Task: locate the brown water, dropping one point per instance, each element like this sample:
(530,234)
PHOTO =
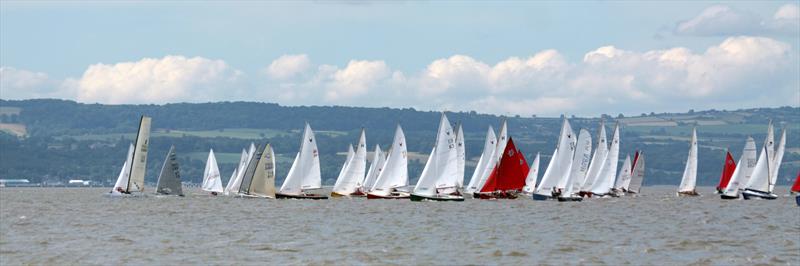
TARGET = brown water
(80,226)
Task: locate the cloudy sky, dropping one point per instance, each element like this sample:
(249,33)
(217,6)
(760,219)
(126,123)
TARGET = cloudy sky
(543,58)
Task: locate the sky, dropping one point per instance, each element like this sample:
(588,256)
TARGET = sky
(507,58)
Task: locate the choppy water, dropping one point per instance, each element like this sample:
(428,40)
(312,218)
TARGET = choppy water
(79,226)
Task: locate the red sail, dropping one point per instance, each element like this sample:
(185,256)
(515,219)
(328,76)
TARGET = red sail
(635,158)
(727,172)
(796,186)
(510,173)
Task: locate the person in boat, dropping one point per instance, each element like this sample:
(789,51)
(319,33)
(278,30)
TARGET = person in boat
(213,193)
(120,190)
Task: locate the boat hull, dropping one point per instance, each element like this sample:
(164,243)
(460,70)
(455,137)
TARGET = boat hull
(587,194)
(301,196)
(568,199)
(755,194)
(726,197)
(797,200)
(390,196)
(540,197)
(688,193)
(436,198)
(352,195)
(496,195)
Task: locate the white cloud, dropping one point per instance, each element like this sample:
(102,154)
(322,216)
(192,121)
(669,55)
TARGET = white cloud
(288,66)
(356,79)
(158,80)
(19,84)
(723,20)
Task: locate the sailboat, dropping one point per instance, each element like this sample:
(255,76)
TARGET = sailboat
(350,179)
(608,171)
(489,145)
(494,160)
(508,178)
(557,169)
(169,181)
(533,175)
(131,180)
(598,160)
(439,178)
(461,157)
(742,171)
(689,180)
(759,183)
(375,168)
(211,177)
(727,172)
(637,173)
(394,175)
(578,167)
(623,177)
(259,177)
(305,173)
(236,181)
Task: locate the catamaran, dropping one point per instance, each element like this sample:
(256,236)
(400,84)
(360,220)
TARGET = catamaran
(689,180)
(742,171)
(578,167)
(608,171)
(533,175)
(169,181)
(489,145)
(211,176)
(551,185)
(508,178)
(439,178)
(259,177)
(351,177)
(394,175)
(598,160)
(375,168)
(305,173)
(727,172)
(131,180)
(637,173)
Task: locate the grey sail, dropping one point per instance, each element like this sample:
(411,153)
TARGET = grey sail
(247,179)
(169,181)
(263,180)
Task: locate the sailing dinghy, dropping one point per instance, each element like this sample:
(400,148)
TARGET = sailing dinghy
(439,179)
(508,178)
(758,185)
(169,181)
(637,173)
(394,175)
(259,177)
(349,183)
(211,176)
(598,160)
(742,171)
(795,189)
(489,145)
(304,174)
(688,186)
(131,180)
(608,171)
(623,178)
(533,175)
(727,172)
(236,180)
(375,168)
(551,185)
(494,160)
(776,161)
(578,167)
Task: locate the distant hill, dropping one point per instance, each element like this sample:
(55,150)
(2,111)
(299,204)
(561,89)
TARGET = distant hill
(55,140)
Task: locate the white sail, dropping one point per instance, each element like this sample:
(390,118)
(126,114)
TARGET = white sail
(502,139)
(749,160)
(462,157)
(624,176)
(395,170)
(440,171)
(244,164)
(608,172)
(232,180)
(212,182)
(378,160)
(598,159)
(580,163)
(489,145)
(732,189)
(769,142)
(124,174)
(355,169)
(776,161)
(759,180)
(533,175)
(342,173)
(689,180)
(305,173)
(557,170)
(637,174)
(139,161)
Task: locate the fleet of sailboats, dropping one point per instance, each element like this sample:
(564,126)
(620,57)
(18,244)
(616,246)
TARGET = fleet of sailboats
(502,171)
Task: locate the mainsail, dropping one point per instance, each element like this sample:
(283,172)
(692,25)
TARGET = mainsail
(624,176)
(579,165)
(441,169)
(350,180)
(461,156)
(776,161)
(236,182)
(211,176)
(759,180)
(533,175)
(796,186)
(378,160)
(559,162)
(262,181)
(689,180)
(305,172)
(489,145)
(727,171)
(637,174)
(169,181)
(510,173)
(496,156)
(608,172)
(598,159)
(395,170)
(124,174)
(139,162)
(748,162)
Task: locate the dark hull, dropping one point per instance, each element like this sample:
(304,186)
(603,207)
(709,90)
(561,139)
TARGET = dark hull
(723,196)
(302,196)
(755,194)
(436,198)
(797,199)
(688,194)
(355,194)
(540,197)
(496,195)
(567,199)
(587,194)
(373,196)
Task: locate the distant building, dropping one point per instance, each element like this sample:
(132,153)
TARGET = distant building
(14,183)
